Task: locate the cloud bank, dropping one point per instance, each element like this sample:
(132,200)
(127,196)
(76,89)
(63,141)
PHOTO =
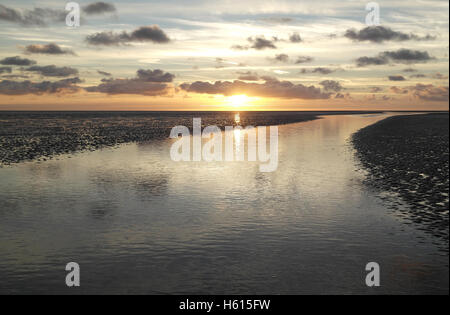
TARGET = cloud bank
(99,8)
(425,92)
(49,49)
(396,78)
(272,88)
(151,33)
(330,85)
(405,56)
(17,61)
(44,16)
(27,87)
(147,83)
(379,34)
(53,71)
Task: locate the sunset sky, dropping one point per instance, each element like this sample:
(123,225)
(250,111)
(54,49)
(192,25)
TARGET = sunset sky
(224,55)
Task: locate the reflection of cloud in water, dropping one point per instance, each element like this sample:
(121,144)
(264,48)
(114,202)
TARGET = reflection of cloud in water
(117,189)
(156,186)
(102,208)
(44,170)
(145,185)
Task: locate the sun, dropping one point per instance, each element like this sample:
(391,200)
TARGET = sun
(238,100)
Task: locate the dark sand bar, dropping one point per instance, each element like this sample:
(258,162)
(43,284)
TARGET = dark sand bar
(409,156)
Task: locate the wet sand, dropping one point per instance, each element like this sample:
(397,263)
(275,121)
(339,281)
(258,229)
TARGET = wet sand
(409,156)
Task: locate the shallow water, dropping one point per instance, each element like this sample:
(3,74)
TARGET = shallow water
(137,222)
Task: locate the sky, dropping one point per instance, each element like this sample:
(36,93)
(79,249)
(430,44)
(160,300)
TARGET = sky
(224,55)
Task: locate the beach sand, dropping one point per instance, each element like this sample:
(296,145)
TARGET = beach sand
(409,156)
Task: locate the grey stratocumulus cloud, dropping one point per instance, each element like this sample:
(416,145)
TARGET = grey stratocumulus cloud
(147,83)
(8,87)
(407,56)
(429,92)
(260,43)
(151,33)
(248,76)
(278,20)
(17,61)
(425,92)
(155,76)
(319,70)
(323,70)
(404,56)
(418,76)
(375,89)
(284,58)
(270,88)
(398,90)
(104,73)
(53,71)
(44,16)
(281,58)
(379,34)
(331,85)
(240,47)
(35,17)
(396,78)
(304,59)
(99,8)
(49,49)
(295,38)
(439,76)
(15,76)
(5,70)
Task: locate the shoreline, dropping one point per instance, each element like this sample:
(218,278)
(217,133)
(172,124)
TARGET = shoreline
(408,155)
(27,136)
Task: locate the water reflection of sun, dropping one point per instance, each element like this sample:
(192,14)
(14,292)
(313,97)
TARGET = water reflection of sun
(237,118)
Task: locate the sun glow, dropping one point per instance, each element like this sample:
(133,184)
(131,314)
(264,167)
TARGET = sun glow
(238,100)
